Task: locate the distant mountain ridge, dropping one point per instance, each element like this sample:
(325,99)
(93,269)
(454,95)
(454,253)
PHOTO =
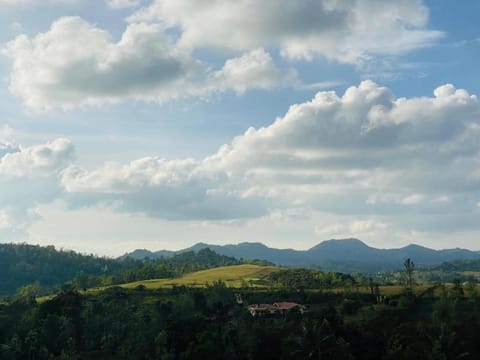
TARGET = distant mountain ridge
(347,255)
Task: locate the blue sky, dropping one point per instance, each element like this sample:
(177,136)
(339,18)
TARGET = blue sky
(156,124)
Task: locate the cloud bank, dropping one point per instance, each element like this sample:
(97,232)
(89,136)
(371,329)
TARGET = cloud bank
(365,152)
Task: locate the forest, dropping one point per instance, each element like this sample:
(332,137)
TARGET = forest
(214,323)
(37,270)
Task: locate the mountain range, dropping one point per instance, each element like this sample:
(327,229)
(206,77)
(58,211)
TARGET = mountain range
(345,255)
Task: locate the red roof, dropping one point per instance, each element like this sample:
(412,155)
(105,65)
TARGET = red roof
(284,305)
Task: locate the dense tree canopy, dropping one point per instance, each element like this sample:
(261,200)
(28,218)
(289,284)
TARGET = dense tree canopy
(27,267)
(209,323)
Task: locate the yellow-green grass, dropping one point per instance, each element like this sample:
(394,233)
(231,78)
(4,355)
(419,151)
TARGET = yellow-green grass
(42,299)
(232,276)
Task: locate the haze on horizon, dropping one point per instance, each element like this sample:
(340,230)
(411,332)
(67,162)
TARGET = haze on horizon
(158,124)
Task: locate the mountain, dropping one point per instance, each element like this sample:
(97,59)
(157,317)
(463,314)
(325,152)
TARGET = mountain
(346,255)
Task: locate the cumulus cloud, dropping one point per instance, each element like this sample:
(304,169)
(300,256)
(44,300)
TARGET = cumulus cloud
(29,175)
(365,152)
(254,69)
(360,134)
(76,63)
(38,160)
(347,31)
(169,189)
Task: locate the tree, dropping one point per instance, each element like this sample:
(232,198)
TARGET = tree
(28,291)
(409,268)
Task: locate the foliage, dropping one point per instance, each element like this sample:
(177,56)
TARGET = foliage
(24,264)
(208,323)
(309,279)
(47,269)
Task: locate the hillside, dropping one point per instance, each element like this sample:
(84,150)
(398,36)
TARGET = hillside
(23,264)
(49,269)
(232,276)
(347,255)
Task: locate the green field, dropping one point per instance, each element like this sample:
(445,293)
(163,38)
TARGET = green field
(232,276)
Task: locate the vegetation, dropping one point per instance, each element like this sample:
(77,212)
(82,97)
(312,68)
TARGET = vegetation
(245,275)
(213,322)
(25,265)
(409,268)
(35,270)
(196,305)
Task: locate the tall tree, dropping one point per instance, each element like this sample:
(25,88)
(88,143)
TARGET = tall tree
(409,268)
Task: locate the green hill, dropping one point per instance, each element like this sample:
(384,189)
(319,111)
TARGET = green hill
(46,269)
(232,276)
(23,264)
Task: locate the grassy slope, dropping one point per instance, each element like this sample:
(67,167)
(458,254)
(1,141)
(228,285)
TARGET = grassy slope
(233,276)
(238,275)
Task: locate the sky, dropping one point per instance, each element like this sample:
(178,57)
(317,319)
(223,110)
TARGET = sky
(158,124)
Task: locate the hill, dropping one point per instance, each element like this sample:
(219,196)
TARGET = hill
(23,264)
(232,276)
(347,255)
(45,268)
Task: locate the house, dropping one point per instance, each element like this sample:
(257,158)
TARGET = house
(275,308)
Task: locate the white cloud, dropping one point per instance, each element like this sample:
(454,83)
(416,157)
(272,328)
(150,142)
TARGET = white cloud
(5,220)
(76,63)
(120,4)
(331,230)
(366,148)
(117,178)
(356,228)
(29,176)
(412,199)
(363,163)
(344,30)
(254,69)
(6,139)
(169,189)
(365,152)
(366,226)
(38,160)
